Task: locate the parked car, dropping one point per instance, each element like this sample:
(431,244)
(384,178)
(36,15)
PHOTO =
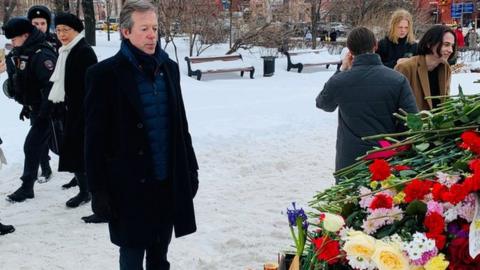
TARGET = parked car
(99,25)
(113,24)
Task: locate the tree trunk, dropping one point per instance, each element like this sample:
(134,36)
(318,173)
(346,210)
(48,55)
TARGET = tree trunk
(89,18)
(8,8)
(77,12)
(58,5)
(66,6)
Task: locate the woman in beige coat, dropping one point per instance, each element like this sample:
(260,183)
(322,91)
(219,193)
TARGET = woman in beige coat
(429,73)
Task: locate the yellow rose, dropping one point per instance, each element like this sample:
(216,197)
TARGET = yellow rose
(359,244)
(387,257)
(332,222)
(437,263)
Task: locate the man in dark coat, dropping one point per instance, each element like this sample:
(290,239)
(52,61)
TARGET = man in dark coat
(367,94)
(33,65)
(140,162)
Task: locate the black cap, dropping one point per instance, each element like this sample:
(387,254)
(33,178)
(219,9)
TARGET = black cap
(69,20)
(39,12)
(17,26)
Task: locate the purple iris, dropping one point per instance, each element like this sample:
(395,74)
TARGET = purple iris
(455,229)
(295,214)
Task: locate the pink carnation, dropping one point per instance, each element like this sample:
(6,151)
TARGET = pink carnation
(434,206)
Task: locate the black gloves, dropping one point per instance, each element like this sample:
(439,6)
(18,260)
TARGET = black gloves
(194,182)
(25,113)
(101,205)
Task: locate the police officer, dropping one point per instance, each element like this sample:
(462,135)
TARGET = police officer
(41,18)
(33,63)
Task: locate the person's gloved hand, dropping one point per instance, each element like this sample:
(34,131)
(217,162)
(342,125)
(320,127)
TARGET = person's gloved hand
(25,113)
(194,181)
(101,205)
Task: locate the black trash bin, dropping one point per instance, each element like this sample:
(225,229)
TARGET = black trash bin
(268,65)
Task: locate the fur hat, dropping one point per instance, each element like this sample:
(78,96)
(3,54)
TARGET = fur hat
(69,20)
(17,26)
(40,12)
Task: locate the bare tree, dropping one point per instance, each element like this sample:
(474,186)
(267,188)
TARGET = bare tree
(58,5)
(8,8)
(89,17)
(169,14)
(66,5)
(315,19)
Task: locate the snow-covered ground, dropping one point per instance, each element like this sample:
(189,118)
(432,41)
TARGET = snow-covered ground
(261,144)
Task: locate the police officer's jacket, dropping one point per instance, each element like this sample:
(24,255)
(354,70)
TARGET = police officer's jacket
(29,68)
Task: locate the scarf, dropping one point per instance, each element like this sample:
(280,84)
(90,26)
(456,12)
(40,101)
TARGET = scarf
(57,94)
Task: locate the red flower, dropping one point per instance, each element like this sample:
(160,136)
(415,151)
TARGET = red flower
(460,257)
(472,183)
(471,141)
(416,190)
(399,168)
(434,223)
(380,170)
(456,194)
(381,201)
(440,239)
(474,165)
(437,191)
(327,250)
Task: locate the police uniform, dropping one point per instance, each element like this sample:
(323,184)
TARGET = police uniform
(33,65)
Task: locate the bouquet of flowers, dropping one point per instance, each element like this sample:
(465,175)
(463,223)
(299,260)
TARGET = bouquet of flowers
(412,204)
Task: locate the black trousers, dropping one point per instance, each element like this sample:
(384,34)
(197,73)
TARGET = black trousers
(132,258)
(36,147)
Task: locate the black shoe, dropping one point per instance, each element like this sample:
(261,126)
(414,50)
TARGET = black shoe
(80,198)
(4,229)
(21,194)
(45,177)
(94,219)
(70,184)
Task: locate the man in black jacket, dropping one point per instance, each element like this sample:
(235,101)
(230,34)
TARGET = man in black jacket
(367,94)
(33,64)
(140,163)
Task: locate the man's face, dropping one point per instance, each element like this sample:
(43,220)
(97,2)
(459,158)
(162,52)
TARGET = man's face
(40,24)
(144,32)
(19,40)
(402,29)
(447,46)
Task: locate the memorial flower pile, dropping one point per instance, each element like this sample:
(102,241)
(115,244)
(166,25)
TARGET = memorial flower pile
(411,204)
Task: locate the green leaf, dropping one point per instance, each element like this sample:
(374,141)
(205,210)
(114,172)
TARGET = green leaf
(416,208)
(460,165)
(464,119)
(407,173)
(422,146)
(414,122)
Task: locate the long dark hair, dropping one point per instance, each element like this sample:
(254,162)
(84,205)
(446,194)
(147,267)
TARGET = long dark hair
(434,36)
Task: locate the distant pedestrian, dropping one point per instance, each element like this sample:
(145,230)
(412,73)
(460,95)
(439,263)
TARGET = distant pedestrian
(399,44)
(333,35)
(459,38)
(472,39)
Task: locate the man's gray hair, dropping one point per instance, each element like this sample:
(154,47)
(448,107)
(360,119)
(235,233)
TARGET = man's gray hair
(131,6)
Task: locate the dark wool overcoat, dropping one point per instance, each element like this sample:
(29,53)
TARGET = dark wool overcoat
(80,58)
(118,159)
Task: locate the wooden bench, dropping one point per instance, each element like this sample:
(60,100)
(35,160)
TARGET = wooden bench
(217,64)
(311,58)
